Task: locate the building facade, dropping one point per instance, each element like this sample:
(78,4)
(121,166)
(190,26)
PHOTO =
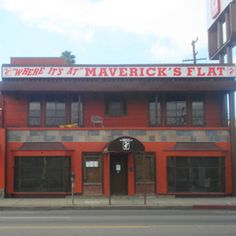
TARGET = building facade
(115,129)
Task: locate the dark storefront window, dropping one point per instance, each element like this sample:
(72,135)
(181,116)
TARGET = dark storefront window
(116,106)
(55,111)
(149,167)
(92,168)
(198,113)
(176,113)
(42,174)
(34,113)
(154,111)
(196,174)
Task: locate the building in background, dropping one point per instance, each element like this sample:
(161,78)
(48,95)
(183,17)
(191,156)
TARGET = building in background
(118,129)
(221,41)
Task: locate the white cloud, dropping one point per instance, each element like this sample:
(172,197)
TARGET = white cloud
(173,21)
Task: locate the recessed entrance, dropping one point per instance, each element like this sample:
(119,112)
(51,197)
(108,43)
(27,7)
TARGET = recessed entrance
(118,172)
(118,152)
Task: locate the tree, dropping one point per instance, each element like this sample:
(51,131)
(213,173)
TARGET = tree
(69,58)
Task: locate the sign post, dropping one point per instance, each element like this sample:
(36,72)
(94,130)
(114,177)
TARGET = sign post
(144,180)
(109,174)
(72,187)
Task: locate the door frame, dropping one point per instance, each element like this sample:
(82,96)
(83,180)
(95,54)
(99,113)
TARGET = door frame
(124,144)
(122,158)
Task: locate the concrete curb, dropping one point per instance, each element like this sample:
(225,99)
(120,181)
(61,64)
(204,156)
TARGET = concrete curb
(33,208)
(119,207)
(215,207)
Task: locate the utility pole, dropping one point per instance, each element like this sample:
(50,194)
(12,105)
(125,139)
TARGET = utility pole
(195,59)
(194,51)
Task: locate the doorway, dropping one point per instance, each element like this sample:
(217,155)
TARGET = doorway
(118,172)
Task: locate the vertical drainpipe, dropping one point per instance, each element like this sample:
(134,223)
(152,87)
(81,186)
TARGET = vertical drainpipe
(232,138)
(229,58)
(232,118)
(3,111)
(5,133)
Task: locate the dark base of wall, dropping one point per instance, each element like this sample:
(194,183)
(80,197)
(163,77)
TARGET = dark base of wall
(198,195)
(38,195)
(140,188)
(92,189)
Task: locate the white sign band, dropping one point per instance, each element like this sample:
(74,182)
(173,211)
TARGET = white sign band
(118,71)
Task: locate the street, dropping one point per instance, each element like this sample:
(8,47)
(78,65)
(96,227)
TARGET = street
(118,222)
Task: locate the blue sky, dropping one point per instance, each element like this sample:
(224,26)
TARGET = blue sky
(103,31)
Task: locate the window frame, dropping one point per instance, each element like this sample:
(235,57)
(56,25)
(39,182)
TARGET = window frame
(181,114)
(151,173)
(34,100)
(92,157)
(68,109)
(110,111)
(155,115)
(203,112)
(79,120)
(55,101)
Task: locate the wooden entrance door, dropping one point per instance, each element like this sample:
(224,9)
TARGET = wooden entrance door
(118,171)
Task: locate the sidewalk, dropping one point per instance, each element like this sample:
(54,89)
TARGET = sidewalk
(134,202)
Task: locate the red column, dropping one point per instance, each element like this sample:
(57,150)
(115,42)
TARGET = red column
(106,174)
(131,176)
(77,167)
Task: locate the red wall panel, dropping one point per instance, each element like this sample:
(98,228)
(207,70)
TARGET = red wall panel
(214,110)
(37,61)
(16,111)
(93,105)
(137,113)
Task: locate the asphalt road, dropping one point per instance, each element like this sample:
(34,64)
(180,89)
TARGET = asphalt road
(118,222)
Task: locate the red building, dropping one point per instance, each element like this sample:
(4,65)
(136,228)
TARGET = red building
(119,129)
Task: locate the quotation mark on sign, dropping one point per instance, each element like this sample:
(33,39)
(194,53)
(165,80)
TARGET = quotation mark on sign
(7,72)
(232,71)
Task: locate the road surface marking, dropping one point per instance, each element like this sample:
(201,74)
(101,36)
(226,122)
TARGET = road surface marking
(61,227)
